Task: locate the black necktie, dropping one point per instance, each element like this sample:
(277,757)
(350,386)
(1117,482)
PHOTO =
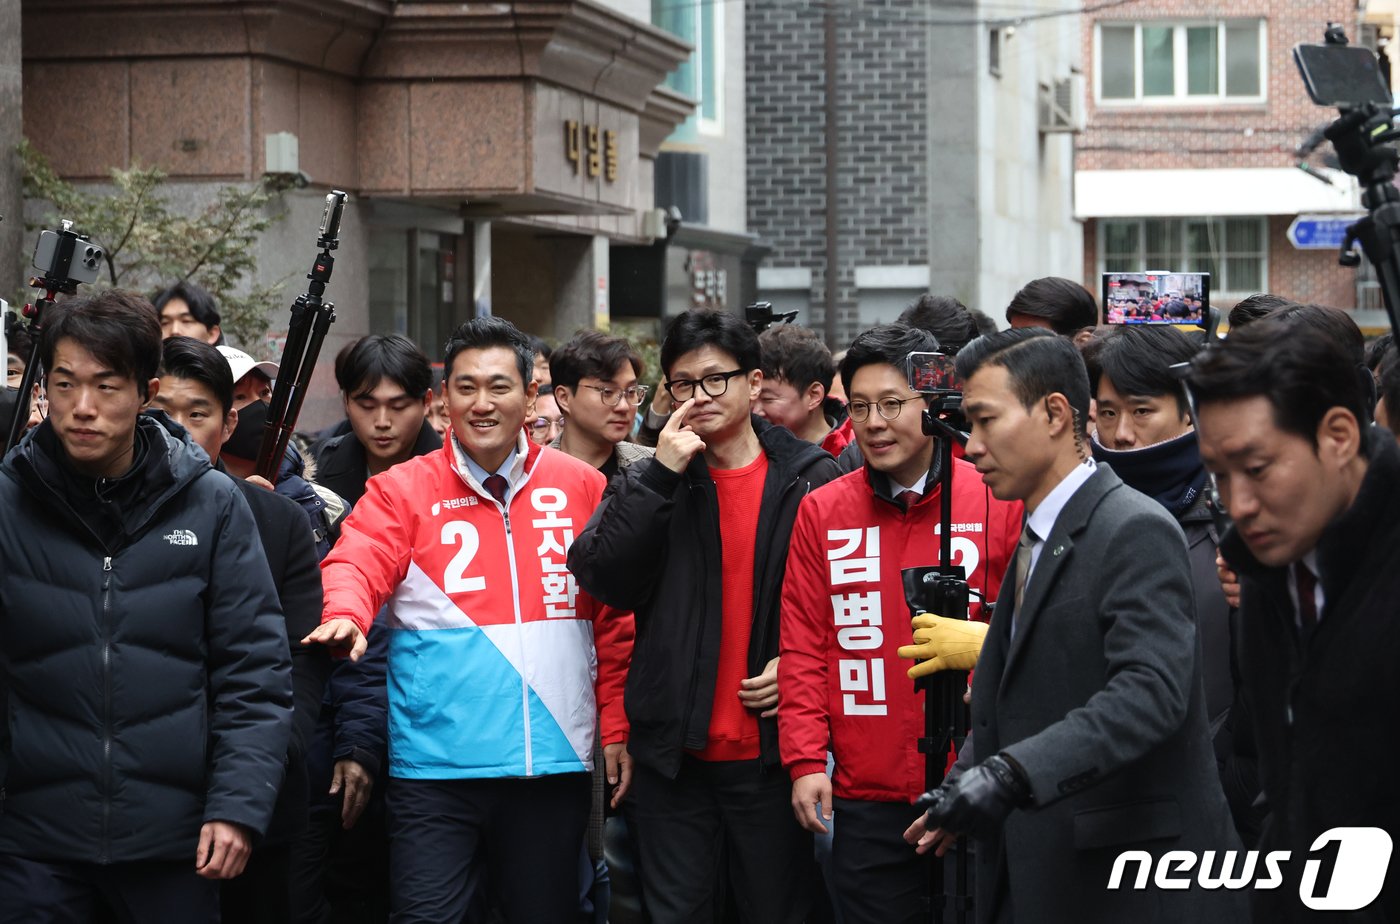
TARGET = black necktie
(1306,583)
(498,486)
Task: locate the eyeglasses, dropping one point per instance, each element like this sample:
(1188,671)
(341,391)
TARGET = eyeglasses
(713,385)
(544,424)
(889,408)
(634,394)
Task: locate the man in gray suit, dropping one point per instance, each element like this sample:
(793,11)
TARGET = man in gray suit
(1089,734)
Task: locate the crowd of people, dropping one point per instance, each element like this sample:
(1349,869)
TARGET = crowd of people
(543,635)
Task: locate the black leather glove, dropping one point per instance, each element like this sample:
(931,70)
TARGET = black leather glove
(978,801)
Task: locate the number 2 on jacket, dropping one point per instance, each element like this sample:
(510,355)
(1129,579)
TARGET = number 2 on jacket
(454,580)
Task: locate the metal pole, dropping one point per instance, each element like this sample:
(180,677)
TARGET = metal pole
(832,273)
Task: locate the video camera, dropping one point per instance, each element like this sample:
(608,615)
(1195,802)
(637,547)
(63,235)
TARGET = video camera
(1349,78)
(65,260)
(761,316)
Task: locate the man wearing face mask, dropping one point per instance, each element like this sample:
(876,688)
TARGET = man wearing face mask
(252,390)
(1145,434)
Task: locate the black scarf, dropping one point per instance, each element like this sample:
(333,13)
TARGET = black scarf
(1171,472)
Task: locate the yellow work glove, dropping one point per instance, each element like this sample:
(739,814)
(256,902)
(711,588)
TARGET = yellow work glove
(943,645)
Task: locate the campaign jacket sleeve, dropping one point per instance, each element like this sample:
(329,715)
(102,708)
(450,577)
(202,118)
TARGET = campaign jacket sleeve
(613,634)
(249,674)
(300,594)
(1003,533)
(371,558)
(618,557)
(803,730)
(359,696)
(1146,612)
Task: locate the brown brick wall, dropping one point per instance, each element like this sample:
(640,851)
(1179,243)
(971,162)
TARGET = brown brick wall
(1307,275)
(1155,137)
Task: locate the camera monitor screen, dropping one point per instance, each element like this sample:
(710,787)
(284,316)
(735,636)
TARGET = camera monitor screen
(1156,298)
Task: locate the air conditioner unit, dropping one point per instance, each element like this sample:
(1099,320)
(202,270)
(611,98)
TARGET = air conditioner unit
(1062,105)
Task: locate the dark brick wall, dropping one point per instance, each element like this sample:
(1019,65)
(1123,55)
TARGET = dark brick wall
(882,117)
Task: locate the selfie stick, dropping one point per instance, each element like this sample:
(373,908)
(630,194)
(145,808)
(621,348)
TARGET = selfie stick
(942,590)
(311,319)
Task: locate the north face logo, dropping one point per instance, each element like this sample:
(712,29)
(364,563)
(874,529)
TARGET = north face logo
(182,537)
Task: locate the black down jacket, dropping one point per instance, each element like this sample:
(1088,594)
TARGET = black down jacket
(653,547)
(145,677)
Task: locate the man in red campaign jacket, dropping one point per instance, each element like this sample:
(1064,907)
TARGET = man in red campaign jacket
(842,684)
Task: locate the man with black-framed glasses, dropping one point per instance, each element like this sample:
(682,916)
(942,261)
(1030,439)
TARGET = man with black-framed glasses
(596,387)
(695,542)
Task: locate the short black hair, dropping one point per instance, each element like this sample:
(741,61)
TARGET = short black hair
(1137,361)
(984,322)
(196,361)
(1039,363)
(1390,387)
(17,338)
(120,329)
(699,327)
(889,344)
(797,356)
(383,356)
(1064,303)
(541,346)
(484,333)
(591,354)
(946,318)
(1323,322)
(1256,307)
(1301,377)
(201,303)
(1378,349)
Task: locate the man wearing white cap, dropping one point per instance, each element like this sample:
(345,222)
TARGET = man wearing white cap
(252,389)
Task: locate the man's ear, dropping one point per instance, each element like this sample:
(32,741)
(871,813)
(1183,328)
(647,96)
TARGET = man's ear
(428,402)
(755,384)
(230,424)
(1060,414)
(1338,437)
(563,397)
(152,389)
(813,396)
(214,334)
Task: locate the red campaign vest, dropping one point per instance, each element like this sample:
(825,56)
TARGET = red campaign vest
(844,618)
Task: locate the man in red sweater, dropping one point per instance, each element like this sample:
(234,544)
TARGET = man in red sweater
(694,542)
(840,680)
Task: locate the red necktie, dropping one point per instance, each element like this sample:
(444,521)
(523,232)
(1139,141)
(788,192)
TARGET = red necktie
(498,486)
(908,498)
(1306,583)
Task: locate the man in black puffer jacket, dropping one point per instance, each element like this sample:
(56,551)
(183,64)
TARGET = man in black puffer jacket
(144,666)
(695,542)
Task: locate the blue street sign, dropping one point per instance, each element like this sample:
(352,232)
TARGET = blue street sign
(1319,232)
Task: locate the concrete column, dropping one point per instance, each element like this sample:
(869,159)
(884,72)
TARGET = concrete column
(14,256)
(481,268)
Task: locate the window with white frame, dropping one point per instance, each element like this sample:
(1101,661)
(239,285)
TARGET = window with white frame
(1235,251)
(1202,62)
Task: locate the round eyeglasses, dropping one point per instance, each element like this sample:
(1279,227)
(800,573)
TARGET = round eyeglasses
(612,397)
(888,408)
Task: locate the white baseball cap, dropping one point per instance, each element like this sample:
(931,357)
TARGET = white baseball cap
(241,364)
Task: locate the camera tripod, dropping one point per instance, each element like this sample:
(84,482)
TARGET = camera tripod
(942,589)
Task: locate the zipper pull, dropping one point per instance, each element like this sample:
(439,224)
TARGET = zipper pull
(107,563)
